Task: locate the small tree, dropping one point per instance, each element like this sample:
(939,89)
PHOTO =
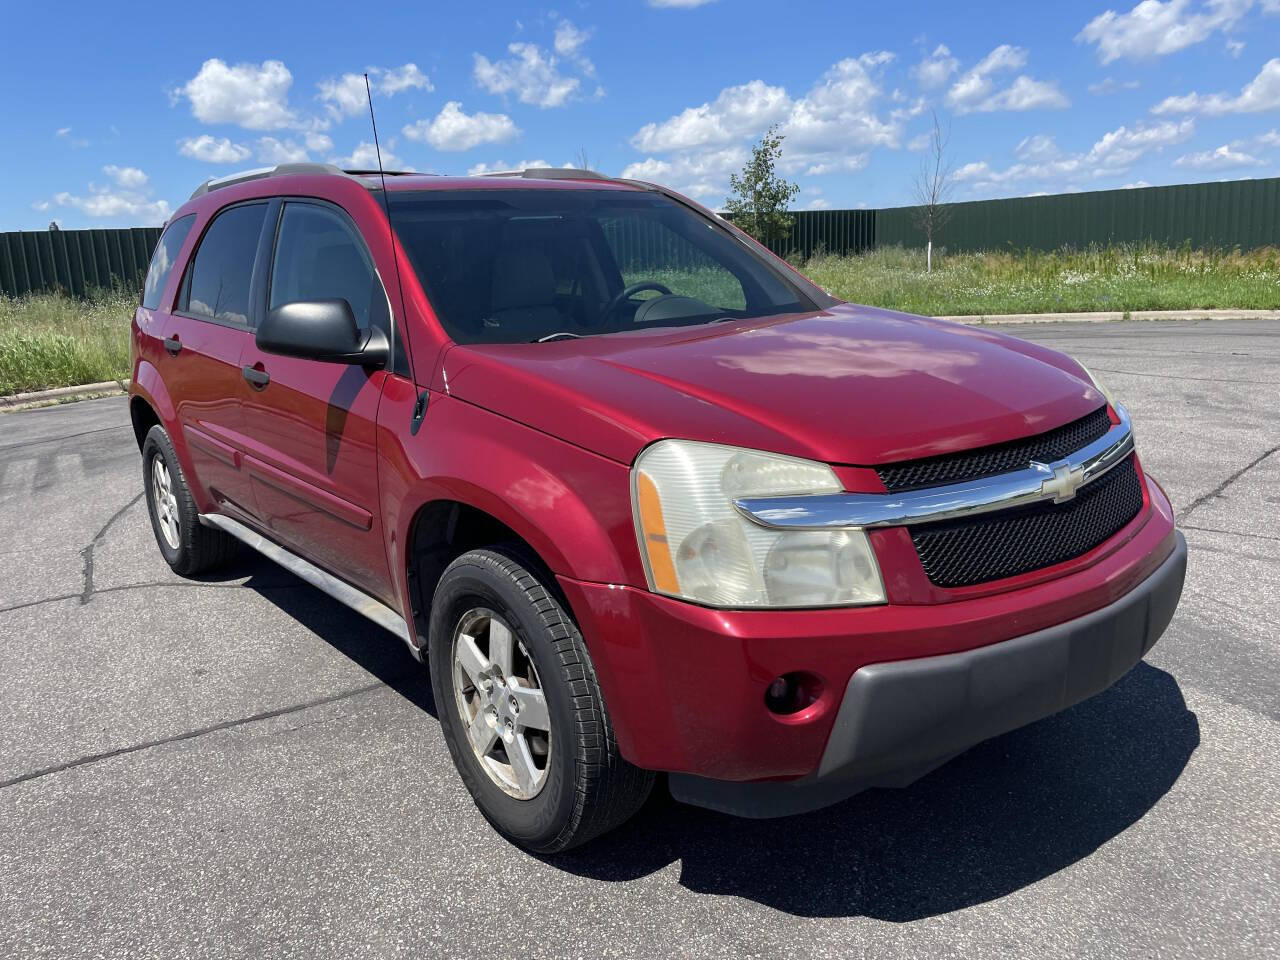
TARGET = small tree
(583,161)
(932,189)
(758,197)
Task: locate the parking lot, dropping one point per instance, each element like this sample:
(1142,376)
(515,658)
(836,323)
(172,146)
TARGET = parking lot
(242,767)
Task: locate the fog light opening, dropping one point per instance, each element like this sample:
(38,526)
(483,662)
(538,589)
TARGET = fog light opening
(792,692)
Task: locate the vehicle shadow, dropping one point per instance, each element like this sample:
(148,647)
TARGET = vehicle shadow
(1001,816)
(378,651)
(997,818)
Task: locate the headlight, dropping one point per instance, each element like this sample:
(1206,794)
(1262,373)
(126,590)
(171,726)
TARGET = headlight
(696,546)
(1102,387)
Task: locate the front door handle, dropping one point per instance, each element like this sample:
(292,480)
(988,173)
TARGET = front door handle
(259,378)
(173,345)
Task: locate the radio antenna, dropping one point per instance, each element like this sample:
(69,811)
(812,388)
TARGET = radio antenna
(420,404)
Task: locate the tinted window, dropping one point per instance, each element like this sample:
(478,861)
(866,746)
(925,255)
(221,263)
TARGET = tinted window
(512,266)
(163,259)
(317,258)
(218,286)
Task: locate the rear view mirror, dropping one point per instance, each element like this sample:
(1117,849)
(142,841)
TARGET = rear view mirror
(322,330)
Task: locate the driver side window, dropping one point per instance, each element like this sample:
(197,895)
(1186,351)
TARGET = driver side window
(645,249)
(317,258)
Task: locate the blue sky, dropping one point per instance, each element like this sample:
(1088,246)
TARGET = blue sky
(112,118)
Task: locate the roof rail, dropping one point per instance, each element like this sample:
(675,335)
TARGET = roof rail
(261,173)
(549,173)
(387,173)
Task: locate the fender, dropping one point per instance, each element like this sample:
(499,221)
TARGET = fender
(148,385)
(573,507)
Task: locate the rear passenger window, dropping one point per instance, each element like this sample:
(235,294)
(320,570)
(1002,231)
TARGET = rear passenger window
(318,258)
(163,259)
(218,285)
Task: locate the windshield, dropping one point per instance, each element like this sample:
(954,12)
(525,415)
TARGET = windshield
(514,266)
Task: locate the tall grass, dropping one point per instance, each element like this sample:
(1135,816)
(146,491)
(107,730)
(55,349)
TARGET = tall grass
(49,340)
(1098,278)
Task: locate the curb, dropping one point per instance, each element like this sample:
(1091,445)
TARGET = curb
(1116,315)
(44,398)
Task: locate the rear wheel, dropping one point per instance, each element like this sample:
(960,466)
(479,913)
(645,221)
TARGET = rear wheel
(520,707)
(187,546)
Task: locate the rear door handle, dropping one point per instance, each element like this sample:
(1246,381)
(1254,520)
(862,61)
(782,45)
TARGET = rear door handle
(173,345)
(259,378)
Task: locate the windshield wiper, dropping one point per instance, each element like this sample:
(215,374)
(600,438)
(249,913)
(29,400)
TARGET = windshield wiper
(561,335)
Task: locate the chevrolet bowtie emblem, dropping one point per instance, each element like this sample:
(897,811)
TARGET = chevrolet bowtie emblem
(1063,483)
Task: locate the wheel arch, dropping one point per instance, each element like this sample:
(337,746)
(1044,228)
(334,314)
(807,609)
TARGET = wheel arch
(443,529)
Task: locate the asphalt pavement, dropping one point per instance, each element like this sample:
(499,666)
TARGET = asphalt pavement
(239,766)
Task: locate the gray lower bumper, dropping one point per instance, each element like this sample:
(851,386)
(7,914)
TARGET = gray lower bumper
(899,720)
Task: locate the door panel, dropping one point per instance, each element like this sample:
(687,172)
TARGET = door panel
(206,335)
(310,429)
(311,451)
(204,376)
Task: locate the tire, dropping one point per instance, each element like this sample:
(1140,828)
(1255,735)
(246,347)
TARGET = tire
(586,787)
(187,546)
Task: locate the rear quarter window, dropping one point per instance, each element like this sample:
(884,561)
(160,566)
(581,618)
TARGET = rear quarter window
(221,272)
(163,260)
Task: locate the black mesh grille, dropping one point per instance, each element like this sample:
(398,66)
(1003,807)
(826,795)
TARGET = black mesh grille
(992,546)
(1000,458)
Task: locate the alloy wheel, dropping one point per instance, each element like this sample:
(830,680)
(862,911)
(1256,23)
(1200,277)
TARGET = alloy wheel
(501,703)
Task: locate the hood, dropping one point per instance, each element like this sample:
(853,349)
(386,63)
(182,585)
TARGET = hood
(848,385)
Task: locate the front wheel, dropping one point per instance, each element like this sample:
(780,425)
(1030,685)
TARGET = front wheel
(520,707)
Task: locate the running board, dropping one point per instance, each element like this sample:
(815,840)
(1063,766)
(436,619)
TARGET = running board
(340,590)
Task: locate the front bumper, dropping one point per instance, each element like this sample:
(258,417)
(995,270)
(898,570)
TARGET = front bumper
(899,720)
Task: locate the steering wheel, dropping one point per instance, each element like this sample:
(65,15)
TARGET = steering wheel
(630,292)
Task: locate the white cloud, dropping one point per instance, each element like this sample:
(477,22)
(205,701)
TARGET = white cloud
(453,129)
(130,198)
(1109,85)
(213,150)
(64,133)
(346,96)
(529,73)
(501,166)
(365,157)
(248,95)
(399,79)
(936,69)
(703,175)
(1223,158)
(569,41)
(1259,94)
(737,112)
(128,177)
(976,90)
(1039,159)
(273,150)
(1154,28)
(1235,48)
(828,130)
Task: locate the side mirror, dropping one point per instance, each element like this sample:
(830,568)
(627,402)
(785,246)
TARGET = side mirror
(322,330)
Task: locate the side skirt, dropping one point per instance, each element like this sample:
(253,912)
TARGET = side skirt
(340,590)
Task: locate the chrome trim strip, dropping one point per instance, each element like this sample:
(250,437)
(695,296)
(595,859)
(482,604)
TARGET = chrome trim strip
(1056,481)
(340,590)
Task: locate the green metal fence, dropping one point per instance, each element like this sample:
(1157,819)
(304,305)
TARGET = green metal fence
(1240,213)
(74,261)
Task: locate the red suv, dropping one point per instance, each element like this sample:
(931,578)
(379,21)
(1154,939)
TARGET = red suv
(643,497)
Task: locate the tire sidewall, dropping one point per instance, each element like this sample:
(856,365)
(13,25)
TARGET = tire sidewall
(539,820)
(157,445)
